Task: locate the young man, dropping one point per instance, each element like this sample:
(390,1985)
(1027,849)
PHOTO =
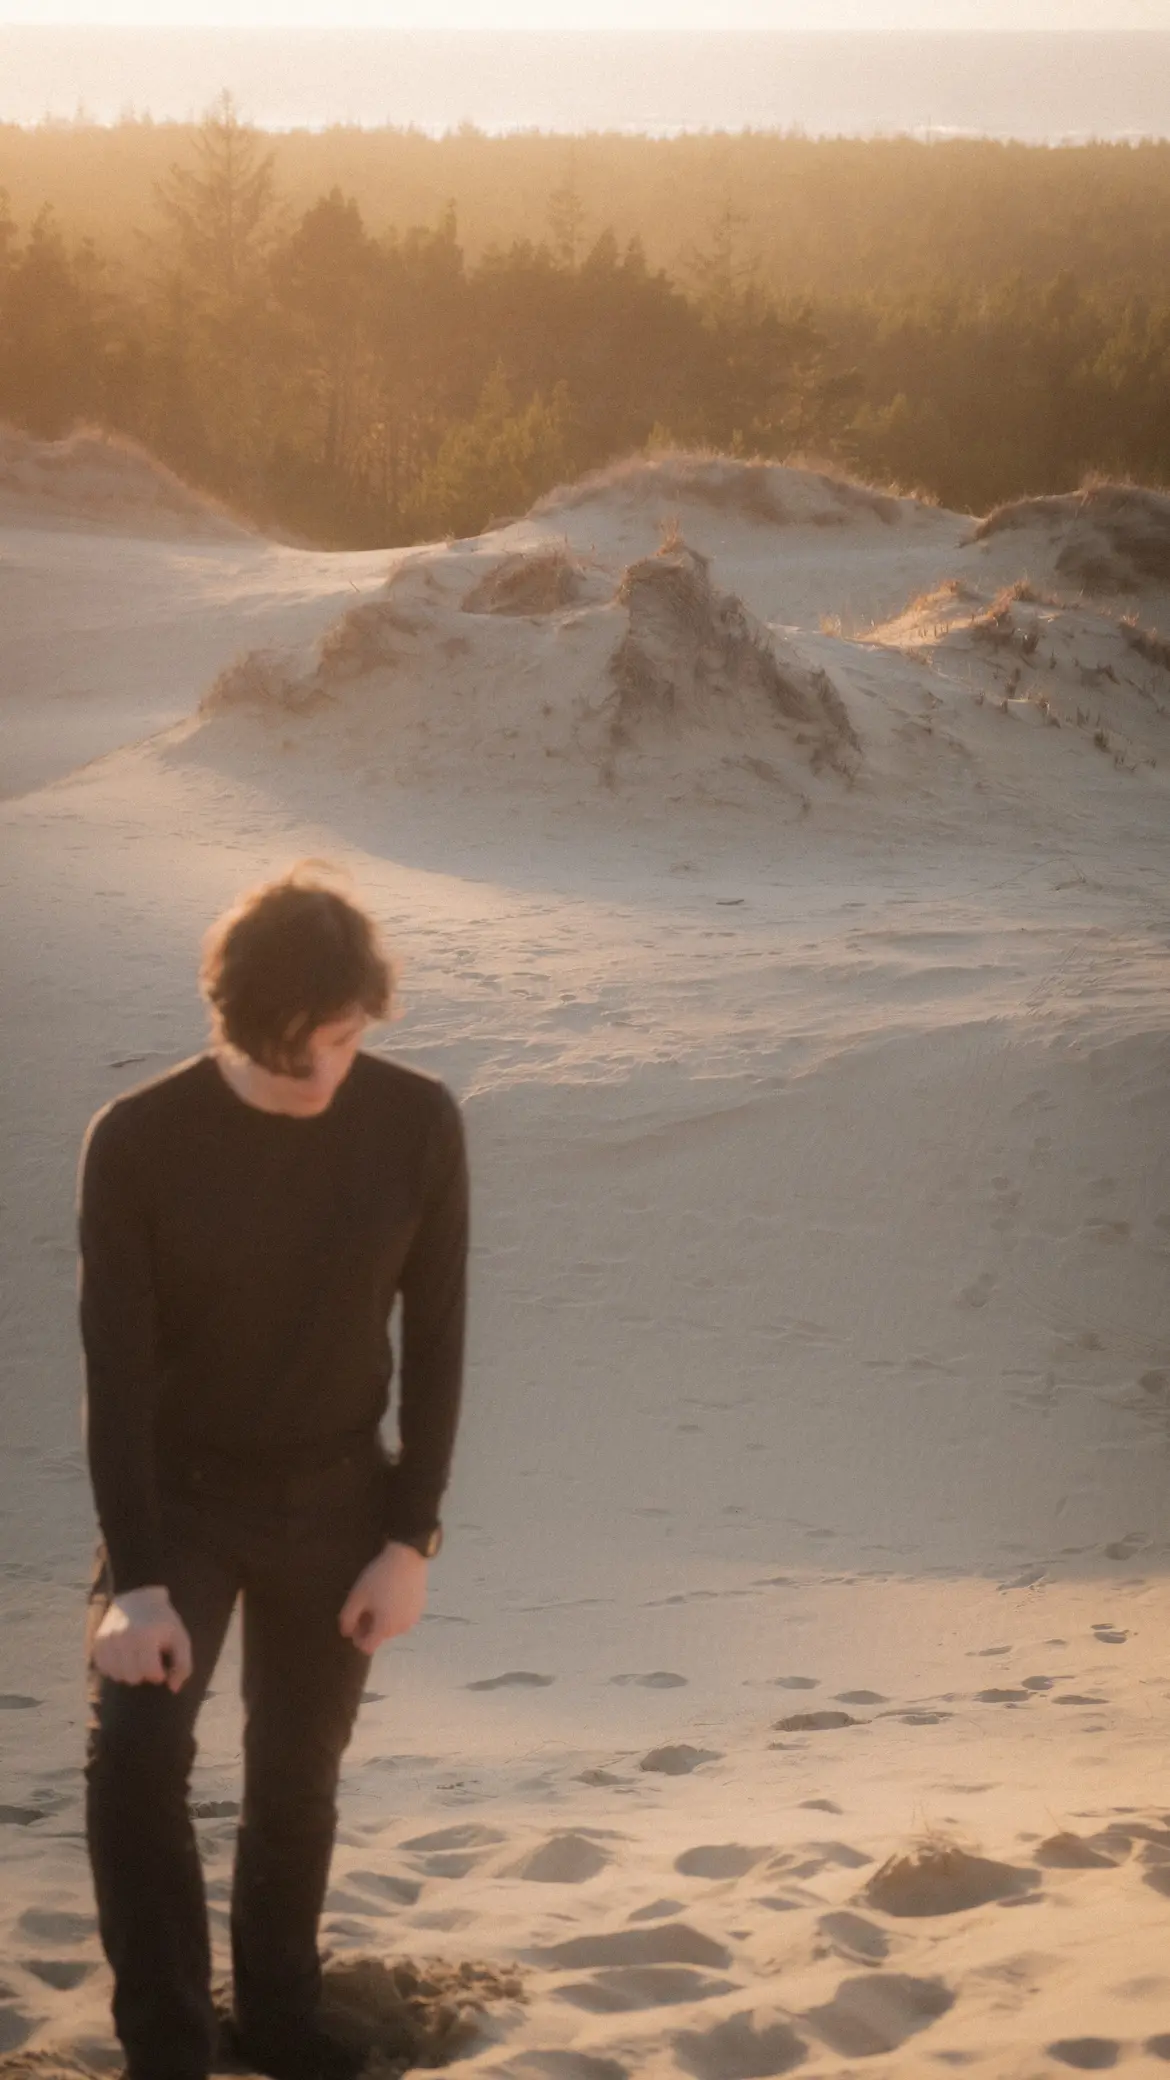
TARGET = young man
(246,1222)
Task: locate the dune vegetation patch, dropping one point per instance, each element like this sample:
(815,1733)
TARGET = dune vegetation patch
(539,581)
(692,654)
(938,1876)
(364,639)
(259,679)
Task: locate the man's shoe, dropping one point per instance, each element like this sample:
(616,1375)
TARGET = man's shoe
(311,2053)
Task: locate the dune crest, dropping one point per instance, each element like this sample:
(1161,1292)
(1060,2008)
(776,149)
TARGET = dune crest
(108,481)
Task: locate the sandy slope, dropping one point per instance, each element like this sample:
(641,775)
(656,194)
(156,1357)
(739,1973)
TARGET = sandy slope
(801,958)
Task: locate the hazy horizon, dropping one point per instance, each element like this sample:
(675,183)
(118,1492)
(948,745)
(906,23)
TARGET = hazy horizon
(861,17)
(1034,86)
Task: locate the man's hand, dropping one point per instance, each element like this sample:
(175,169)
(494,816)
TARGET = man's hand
(142,1639)
(386,1599)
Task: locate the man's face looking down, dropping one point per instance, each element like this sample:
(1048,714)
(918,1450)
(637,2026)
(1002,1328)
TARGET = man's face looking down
(325,1058)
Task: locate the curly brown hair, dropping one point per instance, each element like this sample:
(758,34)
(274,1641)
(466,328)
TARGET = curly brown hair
(290,955)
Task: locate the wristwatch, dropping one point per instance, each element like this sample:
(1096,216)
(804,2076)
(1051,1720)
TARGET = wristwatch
(425,1542)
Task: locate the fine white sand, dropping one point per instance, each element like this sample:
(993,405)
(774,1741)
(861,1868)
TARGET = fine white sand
(788,907)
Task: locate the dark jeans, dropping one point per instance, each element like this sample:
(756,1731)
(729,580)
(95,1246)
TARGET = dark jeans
(293,1549)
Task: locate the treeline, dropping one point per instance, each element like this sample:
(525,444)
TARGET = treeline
(826,218)
(359,385)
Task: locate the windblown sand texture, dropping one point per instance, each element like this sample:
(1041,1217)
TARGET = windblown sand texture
(777,869)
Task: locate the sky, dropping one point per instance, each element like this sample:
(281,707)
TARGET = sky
(991,15)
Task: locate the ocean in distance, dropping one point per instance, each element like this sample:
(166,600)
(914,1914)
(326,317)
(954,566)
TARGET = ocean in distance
(1041,88)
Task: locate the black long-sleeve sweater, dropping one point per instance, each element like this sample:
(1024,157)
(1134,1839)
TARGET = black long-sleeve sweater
(238,1270)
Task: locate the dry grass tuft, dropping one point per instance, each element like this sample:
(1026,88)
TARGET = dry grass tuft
(1147,642)
(361,641)
(261,679)
(530,582)
(938,1876)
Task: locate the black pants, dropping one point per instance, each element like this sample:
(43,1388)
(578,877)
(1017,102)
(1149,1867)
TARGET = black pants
(293,1549)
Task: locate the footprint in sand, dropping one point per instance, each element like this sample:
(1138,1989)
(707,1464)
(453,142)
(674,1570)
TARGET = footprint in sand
(796,1682)
(739,2048)
(61,1973)
(1124,1548)
(855,1938)
(1071,1852)
(918,1718)
(658,1679)
(624,1987)
(400,1892)
(56,1926)
(514,1678)
(451,1852)
(1086,2054)
(861,1697)
(15,2027)
(564,1859)
(564,2065)
(14,1701)
(1110,1635)
(878,2013)
(814,1722)
(675,1942)
(1002,1696)
(679,1759)
(822,1805)
(719,1860)
(1159,2046)
(825,1856)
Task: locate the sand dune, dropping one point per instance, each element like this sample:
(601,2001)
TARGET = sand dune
(778,872)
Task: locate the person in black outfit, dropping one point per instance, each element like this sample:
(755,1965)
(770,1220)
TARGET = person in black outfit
(247,1221)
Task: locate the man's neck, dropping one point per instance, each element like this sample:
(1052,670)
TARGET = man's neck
(250,1083)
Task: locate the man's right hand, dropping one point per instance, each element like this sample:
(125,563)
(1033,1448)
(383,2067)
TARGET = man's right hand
(142,1639)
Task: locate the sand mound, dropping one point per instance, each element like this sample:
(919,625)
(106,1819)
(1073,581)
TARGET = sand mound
(363,640)
(538,582)
(1036,657)
(769,493)
(1107,538)
(401,2014)
(413,2014)
(664,680)
(692,654)
(939,1877)
(106,481)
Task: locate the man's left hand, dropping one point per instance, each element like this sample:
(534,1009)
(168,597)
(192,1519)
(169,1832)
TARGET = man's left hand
(386,1599)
